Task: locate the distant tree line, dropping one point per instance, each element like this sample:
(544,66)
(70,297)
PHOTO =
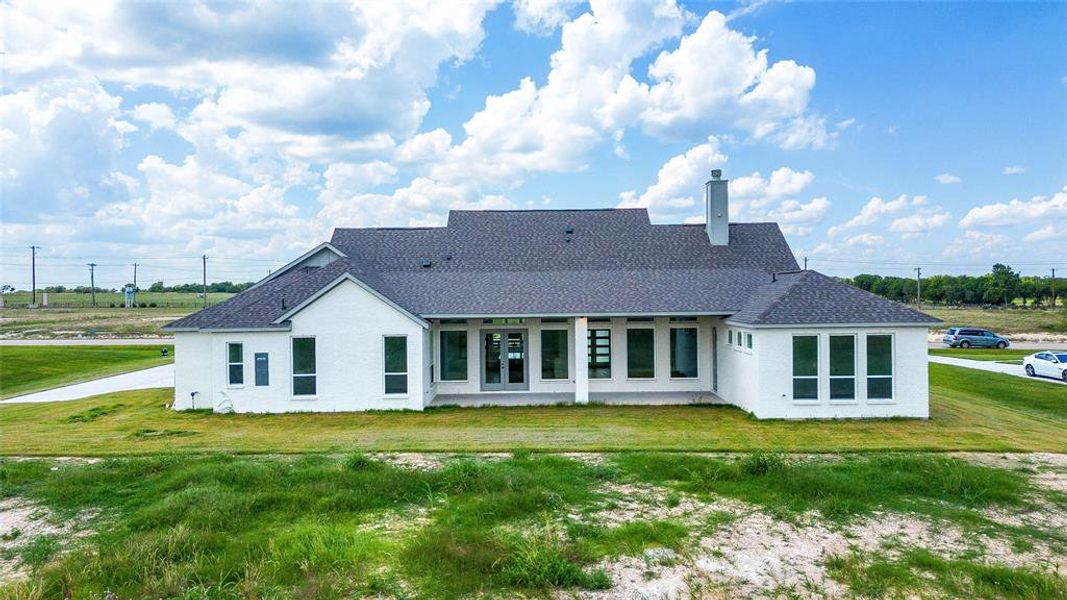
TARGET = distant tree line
(196,288)
(1001,286)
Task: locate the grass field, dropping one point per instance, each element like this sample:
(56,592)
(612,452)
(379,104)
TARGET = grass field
(69,323)
(1002,321)
(1009,354)
(25,369)
(331,527)
(188,301)
(970,410)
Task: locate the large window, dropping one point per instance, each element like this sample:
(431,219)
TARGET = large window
(683,352)
(554,354)
(599,353)
(454,355)
(842,367)
(304,366)
(805,367)
(641,353)
(396,364)
(235,364)
(880,367)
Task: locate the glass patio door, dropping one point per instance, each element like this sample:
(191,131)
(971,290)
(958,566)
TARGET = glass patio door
(504,359)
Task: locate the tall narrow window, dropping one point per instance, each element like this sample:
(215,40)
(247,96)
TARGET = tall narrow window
(554,354)
(730,337)
(304,366)
(641,353)
(748,341)
(879,367)
(262,366)
(453,355)
(683,352)
(599,353)
(805,367)
(235,364)
(396,364)
(842,367)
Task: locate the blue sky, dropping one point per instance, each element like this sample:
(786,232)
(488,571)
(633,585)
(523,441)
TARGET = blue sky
(880,136)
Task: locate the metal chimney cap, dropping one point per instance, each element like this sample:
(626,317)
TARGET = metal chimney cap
(716,173)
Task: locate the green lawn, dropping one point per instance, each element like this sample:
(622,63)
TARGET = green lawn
(970,410)
(328,527)
(25,369)
(190,301)
(1009,354)
(1002,321)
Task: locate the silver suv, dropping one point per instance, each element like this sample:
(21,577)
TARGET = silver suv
(967,337)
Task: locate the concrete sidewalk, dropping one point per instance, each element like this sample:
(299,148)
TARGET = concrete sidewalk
(155,377)
(991,366)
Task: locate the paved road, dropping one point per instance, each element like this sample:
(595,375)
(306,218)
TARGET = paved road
(91,342)
(991,366)
(155,377)
(1019,346)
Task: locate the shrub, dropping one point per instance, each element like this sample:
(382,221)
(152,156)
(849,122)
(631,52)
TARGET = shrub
(762,463)
(359,462)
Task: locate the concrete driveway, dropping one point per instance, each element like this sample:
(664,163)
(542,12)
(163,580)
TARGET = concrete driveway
(991,366)
(155,377)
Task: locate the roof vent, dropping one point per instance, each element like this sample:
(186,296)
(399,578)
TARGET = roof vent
(283,303)
(569,229)
(426,264)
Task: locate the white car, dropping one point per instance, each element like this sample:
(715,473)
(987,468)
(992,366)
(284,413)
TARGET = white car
(1050,363)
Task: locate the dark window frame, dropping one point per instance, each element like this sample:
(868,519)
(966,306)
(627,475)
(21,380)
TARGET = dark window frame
(397,376)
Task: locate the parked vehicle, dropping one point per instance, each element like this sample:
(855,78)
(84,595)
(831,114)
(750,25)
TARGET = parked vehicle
(966,337)
(1050,363)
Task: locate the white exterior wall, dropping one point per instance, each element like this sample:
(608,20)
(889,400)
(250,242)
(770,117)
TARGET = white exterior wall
(739,368)
(576,356)
(349,325)
(773,353)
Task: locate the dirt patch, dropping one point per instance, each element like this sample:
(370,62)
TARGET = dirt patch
(21,522)
(413,460)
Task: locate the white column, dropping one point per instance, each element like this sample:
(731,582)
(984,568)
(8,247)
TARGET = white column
(581,367)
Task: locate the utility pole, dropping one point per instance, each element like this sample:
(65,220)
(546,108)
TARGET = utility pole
(92,282)
(135,277)
(205,279)
(33,275)
(918,286)
(1053,288)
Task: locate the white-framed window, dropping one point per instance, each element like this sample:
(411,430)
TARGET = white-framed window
(453,354)
(598,353)
(805,367)
(554,358)
(305,378)
(879,366)
(842,367)
(684,353)
(235,363)
(748,341)
(640,353)
(729,337)
(395,349)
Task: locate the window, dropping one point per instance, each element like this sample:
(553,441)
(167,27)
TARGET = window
(730,337)
(504,321)
(880,367)
(262,367)
(396,364)
(641,353)
(303,366)
(842,367)
(599,353)
(748,341)
(235,364)
(554,354)
(805,367)
(683,352)
(454,355)
(683,319)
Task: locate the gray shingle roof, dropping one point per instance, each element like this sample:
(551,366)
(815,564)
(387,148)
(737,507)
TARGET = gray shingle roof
(532,262)
(809,297)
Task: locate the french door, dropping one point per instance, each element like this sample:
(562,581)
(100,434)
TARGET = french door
(504,360)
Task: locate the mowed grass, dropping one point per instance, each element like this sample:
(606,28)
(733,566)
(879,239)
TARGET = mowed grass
(344,527)
(188,300)
(70,323)
(25,369)
(1009,354)
(970,410)
(1002,321)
